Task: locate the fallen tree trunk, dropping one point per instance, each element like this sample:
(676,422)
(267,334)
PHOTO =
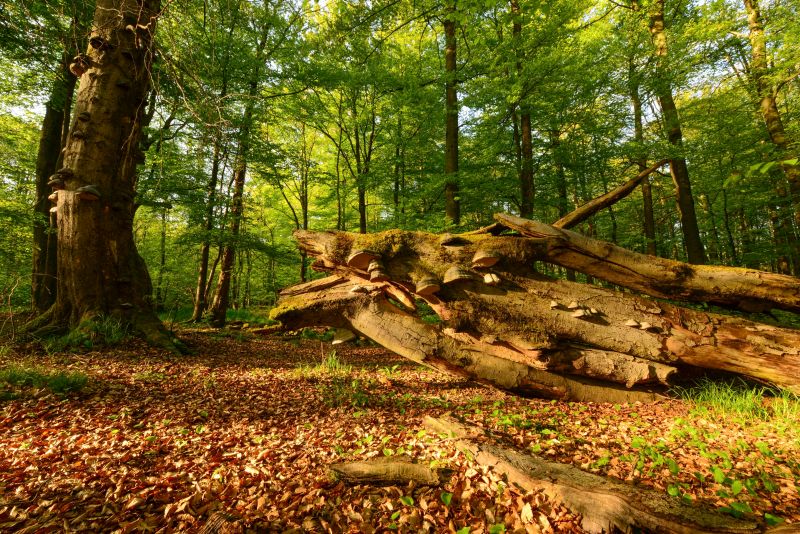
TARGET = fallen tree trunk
(502,322)
(604,503)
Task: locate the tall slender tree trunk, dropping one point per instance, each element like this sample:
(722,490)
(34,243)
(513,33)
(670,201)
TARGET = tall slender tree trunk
(452,203)
(561,183)
(641,162)
(53,137)
(678,168)
(201,296)
(734,259)
(770,113)
(399,171)
(99,270)
(526,186)
(219,307)
(162,262)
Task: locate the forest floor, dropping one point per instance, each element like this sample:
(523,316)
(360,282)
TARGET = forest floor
(247,425)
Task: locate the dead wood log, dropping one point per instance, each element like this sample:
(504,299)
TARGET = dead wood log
(523,331)
(604,503)
(390,471)
(609,199)
(745,289)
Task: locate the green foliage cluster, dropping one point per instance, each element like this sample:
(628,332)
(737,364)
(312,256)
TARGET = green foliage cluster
(347,126)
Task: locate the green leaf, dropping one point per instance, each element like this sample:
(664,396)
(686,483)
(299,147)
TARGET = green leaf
(497,529)
(395,515)
(446,498)
(719,474)
(463,530)
(741,507)
(792,162)
(407,500)
(737,487)
(673,490)
(773,520)
(673,467)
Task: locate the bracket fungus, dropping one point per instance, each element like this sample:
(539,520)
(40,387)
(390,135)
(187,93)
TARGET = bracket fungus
(56,182)
(485,258)
(457,274)
(427,285)
(88,192)
(360,259)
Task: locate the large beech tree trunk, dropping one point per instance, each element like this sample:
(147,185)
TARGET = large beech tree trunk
(505,324)
(99,269)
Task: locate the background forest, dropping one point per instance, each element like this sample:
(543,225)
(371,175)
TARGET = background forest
(342,115)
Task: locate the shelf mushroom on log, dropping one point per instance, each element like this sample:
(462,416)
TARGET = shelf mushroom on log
(526,332)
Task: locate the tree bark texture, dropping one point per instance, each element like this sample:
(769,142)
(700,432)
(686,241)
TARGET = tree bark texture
(506,324)
(51,142)
(99,270)
(678,168)
(451,200)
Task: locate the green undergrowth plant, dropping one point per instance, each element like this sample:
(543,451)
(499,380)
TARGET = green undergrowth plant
(344,391)
(21,377)
(102,331)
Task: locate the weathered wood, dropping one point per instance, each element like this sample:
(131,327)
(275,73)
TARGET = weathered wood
(389,471)
(519,313)
(609,199)
(499,364)
(745,289)
(605,504)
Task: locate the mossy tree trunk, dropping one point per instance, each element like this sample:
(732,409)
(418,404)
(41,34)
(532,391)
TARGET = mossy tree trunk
(99,270)
(502,322)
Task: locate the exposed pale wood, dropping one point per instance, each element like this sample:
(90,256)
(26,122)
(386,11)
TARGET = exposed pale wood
(389,470)
(604,503)
(609,199)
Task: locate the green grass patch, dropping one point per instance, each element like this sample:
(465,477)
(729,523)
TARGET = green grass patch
(329,365)
(57,382)
(737,397)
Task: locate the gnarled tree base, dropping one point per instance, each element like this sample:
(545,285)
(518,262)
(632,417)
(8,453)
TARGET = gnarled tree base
(143,324)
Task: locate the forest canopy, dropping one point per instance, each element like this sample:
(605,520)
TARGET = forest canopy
(342,115)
